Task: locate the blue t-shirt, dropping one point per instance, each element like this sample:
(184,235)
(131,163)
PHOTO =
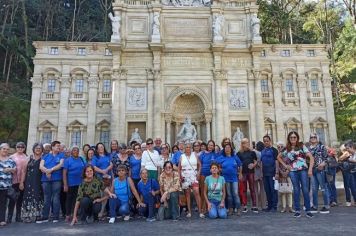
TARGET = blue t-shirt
(51,161)
(158,149)
(229,167)
(176,157)
(122,189)
(102,162)
(206,158)
(268,159)
(135,166)
(145,189)
(74,167)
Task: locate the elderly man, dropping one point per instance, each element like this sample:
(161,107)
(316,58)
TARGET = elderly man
(157,147)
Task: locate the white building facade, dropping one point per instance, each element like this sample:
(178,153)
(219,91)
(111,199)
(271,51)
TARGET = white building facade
(172,59)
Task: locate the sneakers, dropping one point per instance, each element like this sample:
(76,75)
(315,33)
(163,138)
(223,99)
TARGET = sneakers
(201,215)
(348,204)
(313,210)
(333,204)
(112,220)
(188,215)
(309,215)
(126,218)
(254,209)
(283,210)
(150,219)
(324,210)
(297,215)
(42,220)
(245,210)
(55,220)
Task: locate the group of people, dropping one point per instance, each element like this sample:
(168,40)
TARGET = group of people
(156,181)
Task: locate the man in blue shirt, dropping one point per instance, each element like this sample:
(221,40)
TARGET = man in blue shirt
(177,155)
(270,172)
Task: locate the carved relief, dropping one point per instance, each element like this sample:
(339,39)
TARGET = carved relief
(176,27)
(238,98)
(218,28)
(180,3)
(156,34)
(137,98)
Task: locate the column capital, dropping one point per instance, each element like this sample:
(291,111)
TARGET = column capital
(220,74)
(277,82)
(65,81)
(36,81)
(93,81)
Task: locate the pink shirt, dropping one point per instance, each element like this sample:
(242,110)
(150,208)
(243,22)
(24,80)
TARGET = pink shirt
(21,161)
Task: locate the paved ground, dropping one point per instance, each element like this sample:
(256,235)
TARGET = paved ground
(341,221)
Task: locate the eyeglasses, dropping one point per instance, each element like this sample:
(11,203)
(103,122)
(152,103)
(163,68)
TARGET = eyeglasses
(293,137)
(20,147)
(312,136)
(149,143)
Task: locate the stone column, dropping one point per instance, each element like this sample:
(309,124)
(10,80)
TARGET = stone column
(93,95)
(303,102)
(115,105)
(199,130)
(157,99)
(168,130)
(252,104)
(208,126)
(329,108)
(219,110)
(35,110)
(65,81)
(177,131)
(150,104)
(260,132)
(122,107)
(278,104)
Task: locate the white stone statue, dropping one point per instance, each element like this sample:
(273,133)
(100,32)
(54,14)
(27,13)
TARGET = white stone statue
(218,25)
(188,133)
(156,35)
(135,136)
(238,136)
(115,25)
(255,25)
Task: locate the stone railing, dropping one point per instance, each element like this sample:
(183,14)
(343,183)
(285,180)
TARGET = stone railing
(104,98)
(78,98)
(49,98)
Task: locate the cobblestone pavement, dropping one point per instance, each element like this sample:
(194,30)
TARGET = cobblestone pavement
(340,221)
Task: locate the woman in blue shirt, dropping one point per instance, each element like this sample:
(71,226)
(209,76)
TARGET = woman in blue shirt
(102,161)
(72,178)
(135,163)
(120,195)
(206,158)
(230,164)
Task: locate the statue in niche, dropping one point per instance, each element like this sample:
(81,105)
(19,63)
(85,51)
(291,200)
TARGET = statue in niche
(188,133)
(136,97)
(156,35)
(238,98)
(115,25)
(135,136)
(236,139)
(255,23)
(218,25)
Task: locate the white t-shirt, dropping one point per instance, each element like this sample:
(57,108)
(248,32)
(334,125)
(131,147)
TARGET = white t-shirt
(151,160)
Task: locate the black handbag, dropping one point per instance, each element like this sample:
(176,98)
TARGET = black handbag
(12,194)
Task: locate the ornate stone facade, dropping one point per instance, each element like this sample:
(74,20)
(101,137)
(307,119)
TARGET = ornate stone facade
(175,58)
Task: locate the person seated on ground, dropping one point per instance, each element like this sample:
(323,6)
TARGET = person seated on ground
(214,193)
(120,194)
(89,198)
(149,191)
(169,182)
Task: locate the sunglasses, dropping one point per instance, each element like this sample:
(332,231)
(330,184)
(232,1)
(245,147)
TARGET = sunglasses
(149,143)
(20,147)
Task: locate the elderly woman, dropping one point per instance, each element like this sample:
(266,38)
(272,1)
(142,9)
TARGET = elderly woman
(294,159)
(285,193)
(189,171)
(72,177)
(21,160)
(169,182)
(214,193)
(121,158)
(120,195)
(102,161)
(7,169)
(89,197)
(33,195)
(148,190)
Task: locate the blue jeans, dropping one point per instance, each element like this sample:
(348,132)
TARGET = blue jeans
(348,185)
(148,211)
(320,180)
(300,182)
(271,193)
(216,211)
(233,199)
(51,191)
(118,207)
(331,184)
